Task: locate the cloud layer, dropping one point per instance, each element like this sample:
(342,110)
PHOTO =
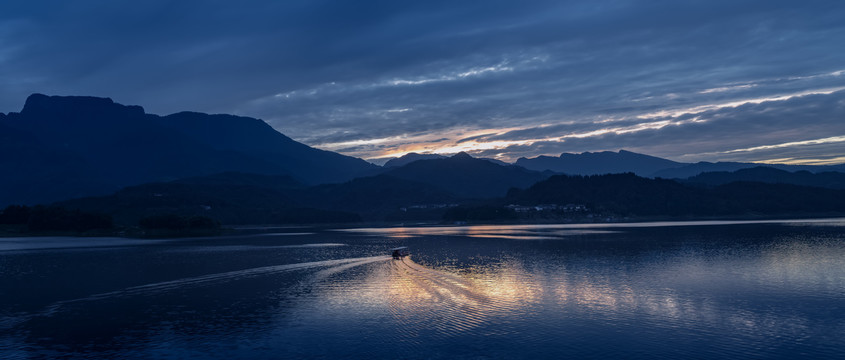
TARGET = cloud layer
(694,80)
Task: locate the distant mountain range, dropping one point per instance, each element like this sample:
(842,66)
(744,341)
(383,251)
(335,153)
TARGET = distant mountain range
(631,195)
(468,177)
(765,174)
(689,170)
(62,147)
(237,198)
(411,157)
(592,163)
(240,198)
(426,186)
(244,199)
(608,162)
(95,155)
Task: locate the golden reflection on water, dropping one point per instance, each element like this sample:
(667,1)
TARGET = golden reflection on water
(569,229)
(425,298)
(513,237)
(513,232)
(463,301)
(665,290)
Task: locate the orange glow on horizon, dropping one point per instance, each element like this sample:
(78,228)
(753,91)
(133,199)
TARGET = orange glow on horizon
(490,143)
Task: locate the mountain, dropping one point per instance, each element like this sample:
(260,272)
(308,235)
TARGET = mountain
(242,198)
(34,173)
(628,194)
(685,171)
(765,174)
(593,163)
(498,162)
(468,177)
(608,162)
(618,193)
(231,178)
(409,158)
(690,170)
(379,197)
(61,147)
(257,139)
(236,202)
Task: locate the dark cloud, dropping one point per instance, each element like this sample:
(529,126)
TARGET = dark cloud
(328,72)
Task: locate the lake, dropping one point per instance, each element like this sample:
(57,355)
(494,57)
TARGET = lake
(693,290)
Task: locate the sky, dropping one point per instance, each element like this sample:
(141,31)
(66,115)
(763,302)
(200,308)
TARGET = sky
(737,80)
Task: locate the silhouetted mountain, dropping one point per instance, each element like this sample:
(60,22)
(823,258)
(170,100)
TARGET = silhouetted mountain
(279,183)
(238,198)
(53,219)
(765,174)
(607,162)
(409,158)
(498,162)
(468,177)
(592,163)
(241,198)
(377,197)
(256,139)
(685,171)
(618,193)
(689,170)
(62,147)
(230,203)
(35,173)
(628,194)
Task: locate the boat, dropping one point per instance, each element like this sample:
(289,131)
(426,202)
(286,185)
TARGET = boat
(399,252)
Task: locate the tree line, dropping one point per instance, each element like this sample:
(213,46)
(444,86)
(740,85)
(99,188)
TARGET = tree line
(54,218)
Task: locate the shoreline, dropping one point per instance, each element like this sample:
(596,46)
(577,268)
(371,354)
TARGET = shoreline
(7,232)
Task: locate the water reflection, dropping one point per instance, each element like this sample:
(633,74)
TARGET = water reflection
(228,248)
(484,231)
(63,242)
(471,230)
(752,291)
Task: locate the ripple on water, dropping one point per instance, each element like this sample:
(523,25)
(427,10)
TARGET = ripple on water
(679,293)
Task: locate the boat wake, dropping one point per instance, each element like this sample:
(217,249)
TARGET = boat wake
(333,266)
(446,303)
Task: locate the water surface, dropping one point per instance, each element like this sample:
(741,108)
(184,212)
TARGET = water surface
(656,290)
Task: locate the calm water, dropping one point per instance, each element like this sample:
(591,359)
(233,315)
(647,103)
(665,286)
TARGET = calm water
(659,290)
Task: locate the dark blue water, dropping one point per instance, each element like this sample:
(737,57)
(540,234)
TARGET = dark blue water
(662,290)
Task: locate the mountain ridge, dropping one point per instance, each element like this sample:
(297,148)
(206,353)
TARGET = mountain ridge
(468,177)
(409,158)
(595,163)
(61,147)
(700,167)
(632,195)
(770,175)
(623,161)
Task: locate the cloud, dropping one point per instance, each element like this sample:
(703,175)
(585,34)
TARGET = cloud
(772,128)
(374,78)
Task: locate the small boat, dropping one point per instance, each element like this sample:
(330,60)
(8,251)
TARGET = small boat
(399,252)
